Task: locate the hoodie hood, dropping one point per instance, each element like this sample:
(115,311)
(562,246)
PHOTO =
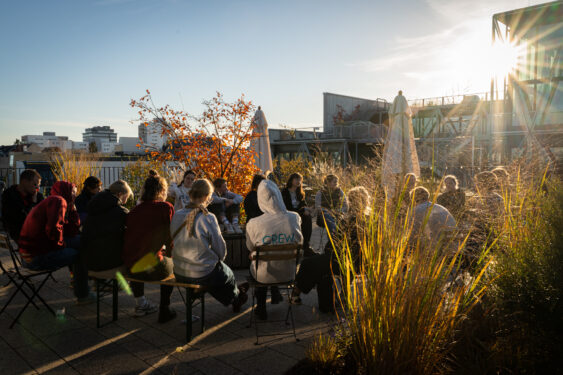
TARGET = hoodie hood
(102,203)
(270,199)
(63,189)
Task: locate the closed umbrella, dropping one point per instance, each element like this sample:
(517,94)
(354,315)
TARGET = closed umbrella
(399,154)
(261,144)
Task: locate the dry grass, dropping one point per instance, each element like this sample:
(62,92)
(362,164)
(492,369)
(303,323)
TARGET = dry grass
(75,167)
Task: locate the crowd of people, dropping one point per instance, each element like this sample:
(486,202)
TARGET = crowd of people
(95,231)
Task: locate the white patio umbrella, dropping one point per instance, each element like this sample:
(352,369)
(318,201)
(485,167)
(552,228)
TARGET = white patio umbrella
(399,154)
(261,144)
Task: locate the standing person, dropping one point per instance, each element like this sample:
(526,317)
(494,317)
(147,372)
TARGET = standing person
(330,203)
(317,271)
(18,200)
(453,198)
(226,205)
(92,186)
(49,237)
(199,249)
(294,200)
(251,206)
(103,232)
(275,226)
(181,192)
(148,231)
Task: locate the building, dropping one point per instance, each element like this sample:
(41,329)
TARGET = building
(49,140)
(99,135)
(151,134)
(128,146)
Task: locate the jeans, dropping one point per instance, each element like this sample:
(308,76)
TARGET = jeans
(220,210)
(330,221)
(69,256)
(159,272)
(221,283)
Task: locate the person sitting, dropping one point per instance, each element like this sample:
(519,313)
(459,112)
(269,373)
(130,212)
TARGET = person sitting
(148,232)
(434,223)
(487,185)
(18,200)
(294,200)
(452,198)
(92,186)
(226,205)
(180,192)
(330,203)
(102,233)
(503,177)
(317,271)
(276,226)
(251,200)
(49,237)
(199,249)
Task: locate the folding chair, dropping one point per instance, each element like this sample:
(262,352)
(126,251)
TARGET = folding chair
(268,253)
(22,278)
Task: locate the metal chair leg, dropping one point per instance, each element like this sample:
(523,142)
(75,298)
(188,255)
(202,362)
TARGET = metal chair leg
(188,315)
(97,303)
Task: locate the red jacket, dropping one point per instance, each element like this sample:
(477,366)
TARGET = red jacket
(49,222)
(148,230)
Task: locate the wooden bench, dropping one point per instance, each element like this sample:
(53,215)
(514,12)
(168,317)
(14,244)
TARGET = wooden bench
(193,292)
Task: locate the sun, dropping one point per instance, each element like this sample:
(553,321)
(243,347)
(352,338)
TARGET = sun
(504,57)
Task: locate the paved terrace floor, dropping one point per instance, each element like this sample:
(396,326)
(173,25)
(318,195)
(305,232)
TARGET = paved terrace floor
(42,344)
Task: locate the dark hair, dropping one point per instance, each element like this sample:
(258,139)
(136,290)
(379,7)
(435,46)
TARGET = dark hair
(92,182)
(299,191)
(189,171)
(256,181)
(29,175)
(154,187)
(219,182)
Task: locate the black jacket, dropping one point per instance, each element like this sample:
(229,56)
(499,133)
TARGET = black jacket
(81,203)
(286,195)
(15,210)
(251,205)
(102,233)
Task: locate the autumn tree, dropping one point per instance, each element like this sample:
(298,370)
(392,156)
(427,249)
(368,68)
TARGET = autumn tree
(214,144)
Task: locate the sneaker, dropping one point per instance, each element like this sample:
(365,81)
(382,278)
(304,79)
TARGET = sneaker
(90,298)
(166,314)
(243,287)
(239,301)
(261,313)
(229,228)
(147,308)
(295,300)
(236,228)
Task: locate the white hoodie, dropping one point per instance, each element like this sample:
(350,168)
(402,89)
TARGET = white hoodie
(275,226)
(197,256)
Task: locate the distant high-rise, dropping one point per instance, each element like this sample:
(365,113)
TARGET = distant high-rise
(151,134)
(100,135)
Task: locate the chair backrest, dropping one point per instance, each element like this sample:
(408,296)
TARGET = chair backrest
(6,244)
(276,252)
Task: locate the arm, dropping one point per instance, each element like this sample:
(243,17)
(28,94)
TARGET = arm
(72,223)
(216,199)
(318,201)
(167,236)
(56,210)
(237,199)
(344,207)
(217,242)
(249,243)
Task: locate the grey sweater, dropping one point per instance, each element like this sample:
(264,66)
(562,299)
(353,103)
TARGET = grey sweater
(197,256)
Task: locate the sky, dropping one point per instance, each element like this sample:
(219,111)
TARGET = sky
(69,65)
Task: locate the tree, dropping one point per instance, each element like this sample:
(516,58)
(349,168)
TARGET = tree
(214,144)
(92,147)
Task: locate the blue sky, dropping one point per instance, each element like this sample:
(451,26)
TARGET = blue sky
(68,65)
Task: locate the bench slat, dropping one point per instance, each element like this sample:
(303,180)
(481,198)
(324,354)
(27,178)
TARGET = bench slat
(171,280)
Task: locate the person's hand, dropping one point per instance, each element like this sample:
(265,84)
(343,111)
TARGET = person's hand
(229,202)
(307,212)
(34,196)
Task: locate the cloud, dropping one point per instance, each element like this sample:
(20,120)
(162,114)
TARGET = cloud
(457,56)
